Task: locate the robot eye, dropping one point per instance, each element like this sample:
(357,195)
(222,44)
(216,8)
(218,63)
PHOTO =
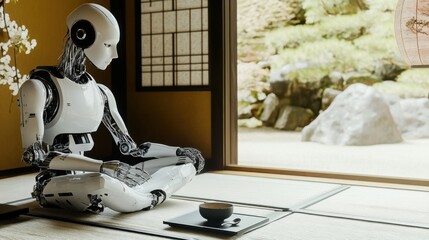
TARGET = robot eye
(107,45)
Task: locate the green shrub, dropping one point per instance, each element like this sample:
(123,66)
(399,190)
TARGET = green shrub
(314,11)
(347,27)
(310,78)
(334,54)
(415,75)
(291,37)
(381,5)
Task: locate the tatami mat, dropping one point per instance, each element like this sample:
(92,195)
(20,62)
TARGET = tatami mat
(391,205)
(308,227)
(147,222)
(17,187)
(34,228)
(276,193)
(318,211)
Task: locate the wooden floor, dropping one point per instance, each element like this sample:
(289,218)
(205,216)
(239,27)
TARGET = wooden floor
(297,210)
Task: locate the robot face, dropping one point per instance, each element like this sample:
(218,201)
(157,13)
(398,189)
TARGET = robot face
(93,28)
(103,50)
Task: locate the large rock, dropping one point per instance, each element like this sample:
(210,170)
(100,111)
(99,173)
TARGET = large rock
(249,123)
(411,115)
(278,79)
(416,118)
(329,94)
(270,106)
(357,116)
(293,118)
(335,7)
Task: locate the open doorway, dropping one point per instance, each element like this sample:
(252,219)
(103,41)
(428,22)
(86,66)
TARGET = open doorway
(294,58)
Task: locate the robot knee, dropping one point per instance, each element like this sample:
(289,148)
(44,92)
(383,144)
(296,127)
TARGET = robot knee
(188,171)
(159,197)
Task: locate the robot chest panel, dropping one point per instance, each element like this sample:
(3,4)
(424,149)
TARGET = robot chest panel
(80,110)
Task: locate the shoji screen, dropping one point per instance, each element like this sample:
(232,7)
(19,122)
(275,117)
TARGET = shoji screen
(174,44)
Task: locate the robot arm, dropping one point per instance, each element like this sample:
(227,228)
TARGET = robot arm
(33,98)
(32,101)
(130,175)
(113,121)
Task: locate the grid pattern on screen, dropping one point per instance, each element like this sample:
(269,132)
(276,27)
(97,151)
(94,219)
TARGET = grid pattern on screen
(174,43)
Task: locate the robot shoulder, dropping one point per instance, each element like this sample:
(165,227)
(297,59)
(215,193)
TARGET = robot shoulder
(32,98)
(104,88)
(109,98)
(106,92)
(32,87)
(46,76)
(45,73)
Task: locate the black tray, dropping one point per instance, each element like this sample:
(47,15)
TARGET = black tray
(10,211)
(194,220)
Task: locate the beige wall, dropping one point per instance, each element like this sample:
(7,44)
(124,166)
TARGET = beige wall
(45,20)
(174,118)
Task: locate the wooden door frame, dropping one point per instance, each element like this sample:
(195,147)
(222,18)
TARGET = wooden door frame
(223,70)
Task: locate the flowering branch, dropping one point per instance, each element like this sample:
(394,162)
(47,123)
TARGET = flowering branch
(417,26)
(18,41)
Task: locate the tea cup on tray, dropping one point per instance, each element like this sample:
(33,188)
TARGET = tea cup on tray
(216,213)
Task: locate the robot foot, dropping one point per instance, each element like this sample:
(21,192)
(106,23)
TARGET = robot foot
(158,198)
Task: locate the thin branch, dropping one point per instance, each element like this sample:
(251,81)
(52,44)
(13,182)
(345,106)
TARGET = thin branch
(418,26)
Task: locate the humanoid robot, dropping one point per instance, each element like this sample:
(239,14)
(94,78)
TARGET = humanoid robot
(60,108)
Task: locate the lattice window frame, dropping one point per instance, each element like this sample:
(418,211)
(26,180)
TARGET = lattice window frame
(181,61)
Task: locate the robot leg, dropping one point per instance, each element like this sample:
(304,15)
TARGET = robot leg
(94,191)
(42,179)
(167,180)
(153,165)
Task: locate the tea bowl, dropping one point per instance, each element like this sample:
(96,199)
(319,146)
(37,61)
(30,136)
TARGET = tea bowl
(215,212)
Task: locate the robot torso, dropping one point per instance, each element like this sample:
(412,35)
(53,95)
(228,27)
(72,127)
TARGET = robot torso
(71,108)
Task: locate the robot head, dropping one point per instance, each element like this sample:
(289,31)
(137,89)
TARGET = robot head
(94,29)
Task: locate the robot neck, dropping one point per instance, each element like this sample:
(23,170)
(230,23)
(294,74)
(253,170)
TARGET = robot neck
(76,73)
(40,73)
(72,62)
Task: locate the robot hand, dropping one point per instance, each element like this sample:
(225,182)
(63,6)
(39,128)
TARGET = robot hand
(130,148)
(140,150)
(130,175)
(34,155)
(194,155)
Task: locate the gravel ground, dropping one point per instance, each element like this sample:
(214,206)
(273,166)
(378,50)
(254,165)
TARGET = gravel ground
(267,147)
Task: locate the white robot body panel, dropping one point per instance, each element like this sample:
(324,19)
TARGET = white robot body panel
(169,179)
(161,150)
(84,143)
(75,162)
(32,102)
(80,110)
(73,191)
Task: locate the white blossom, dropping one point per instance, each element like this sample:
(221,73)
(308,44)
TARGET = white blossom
(19,39)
